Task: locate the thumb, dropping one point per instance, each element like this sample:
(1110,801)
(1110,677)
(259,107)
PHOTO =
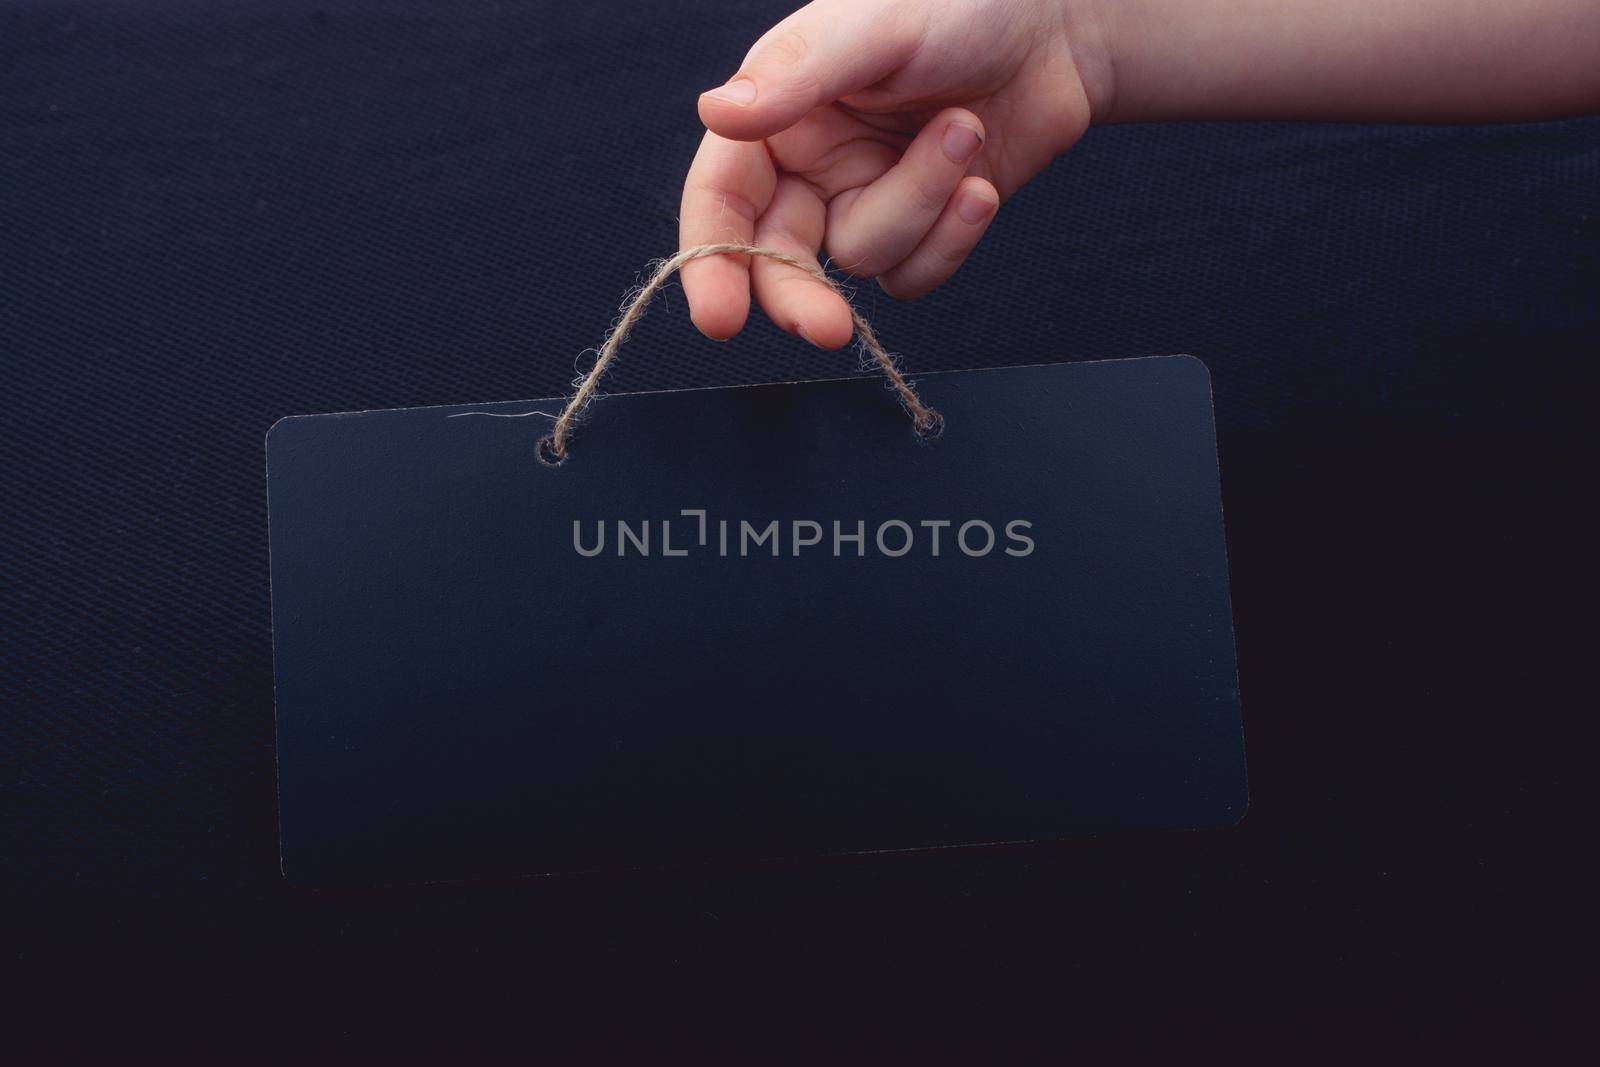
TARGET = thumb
(826,50)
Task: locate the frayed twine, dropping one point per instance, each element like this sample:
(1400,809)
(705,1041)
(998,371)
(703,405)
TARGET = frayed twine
(927,422)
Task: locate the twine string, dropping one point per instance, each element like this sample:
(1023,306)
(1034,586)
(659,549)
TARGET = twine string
(927,422)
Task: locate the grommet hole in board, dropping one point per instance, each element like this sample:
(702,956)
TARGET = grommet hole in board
(545,450)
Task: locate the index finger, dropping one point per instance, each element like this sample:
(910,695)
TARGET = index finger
(730,185)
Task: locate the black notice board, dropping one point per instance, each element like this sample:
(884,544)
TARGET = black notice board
(469,685)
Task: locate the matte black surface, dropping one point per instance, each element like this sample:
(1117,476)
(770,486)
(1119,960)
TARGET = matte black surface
(461,693)
(214,214)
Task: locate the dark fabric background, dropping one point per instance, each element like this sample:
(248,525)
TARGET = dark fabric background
(216,214)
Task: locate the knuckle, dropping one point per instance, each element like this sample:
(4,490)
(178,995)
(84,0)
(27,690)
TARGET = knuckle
(861,267)
(949,256)
(926,196)
(719,203)
(853,257)
(785,50)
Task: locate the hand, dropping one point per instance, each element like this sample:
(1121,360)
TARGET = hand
(888,131)
(884,131)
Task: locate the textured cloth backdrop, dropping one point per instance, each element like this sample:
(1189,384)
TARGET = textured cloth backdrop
(216,214)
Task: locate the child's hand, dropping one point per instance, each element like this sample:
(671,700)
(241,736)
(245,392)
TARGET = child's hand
(854,126)
(884,131)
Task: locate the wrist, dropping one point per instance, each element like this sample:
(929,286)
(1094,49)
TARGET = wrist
(1085,26)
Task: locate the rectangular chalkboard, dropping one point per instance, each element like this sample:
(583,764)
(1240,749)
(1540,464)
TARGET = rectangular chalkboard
(752,622)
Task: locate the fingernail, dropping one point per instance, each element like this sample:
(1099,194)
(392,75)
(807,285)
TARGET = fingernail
(801,330)
(961,143)
(741,92)
(973,208)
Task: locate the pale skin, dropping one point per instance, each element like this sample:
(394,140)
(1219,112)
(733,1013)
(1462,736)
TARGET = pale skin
(887,133)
